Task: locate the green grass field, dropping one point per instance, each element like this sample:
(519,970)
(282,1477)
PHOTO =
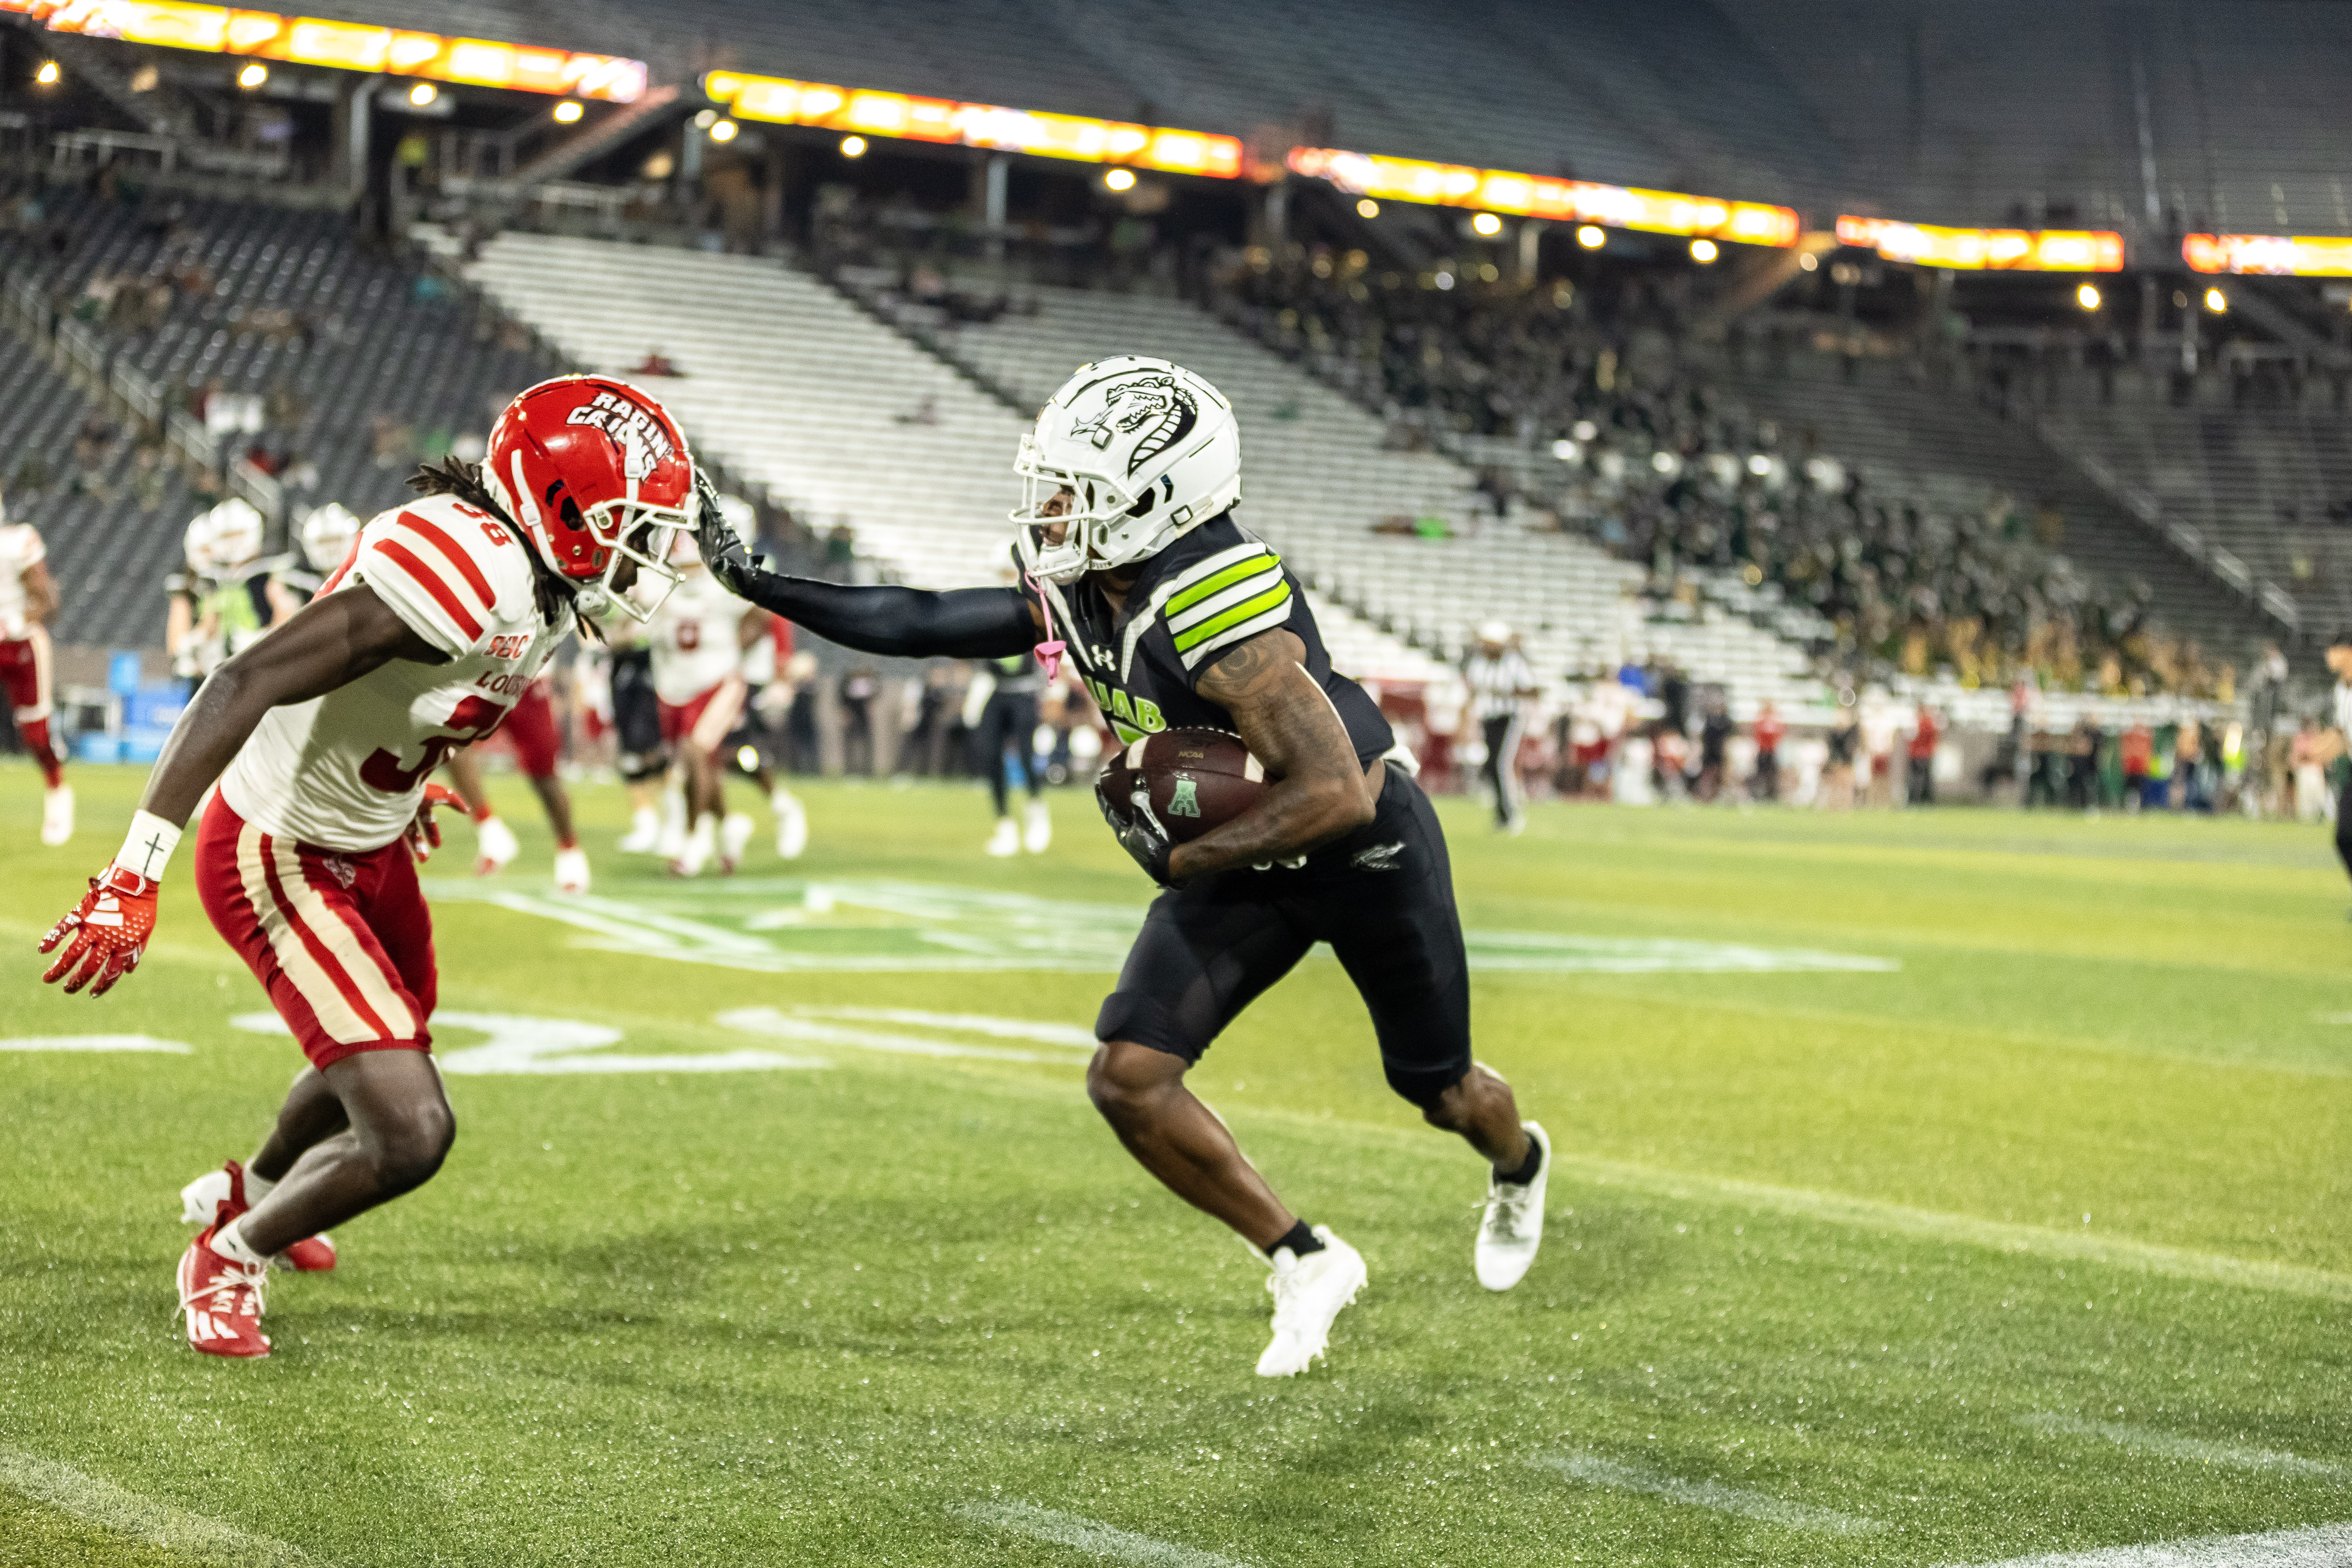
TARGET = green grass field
(1937,1188)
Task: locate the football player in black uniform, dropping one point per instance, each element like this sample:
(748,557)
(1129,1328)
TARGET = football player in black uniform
(1176,617)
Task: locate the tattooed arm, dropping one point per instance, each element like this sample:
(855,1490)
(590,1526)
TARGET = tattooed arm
(1318,794)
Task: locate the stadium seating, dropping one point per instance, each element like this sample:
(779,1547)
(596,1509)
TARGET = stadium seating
(1916,438)
(788,383)
(370,362)
(113,523)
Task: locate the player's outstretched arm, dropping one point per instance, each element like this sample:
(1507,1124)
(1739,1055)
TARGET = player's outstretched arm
(329,642)
(904,623)
(1318,792)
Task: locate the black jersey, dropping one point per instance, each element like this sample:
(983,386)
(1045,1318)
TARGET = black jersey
(1216,586)
(1019,676)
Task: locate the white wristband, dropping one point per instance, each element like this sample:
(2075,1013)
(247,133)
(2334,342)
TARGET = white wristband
(148,849)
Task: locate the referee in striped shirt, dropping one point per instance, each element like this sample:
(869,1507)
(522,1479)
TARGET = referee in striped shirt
(1501,684)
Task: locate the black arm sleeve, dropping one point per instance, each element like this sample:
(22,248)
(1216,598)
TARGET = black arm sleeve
(906,622)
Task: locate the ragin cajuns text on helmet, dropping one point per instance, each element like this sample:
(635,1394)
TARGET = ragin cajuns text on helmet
(595,472)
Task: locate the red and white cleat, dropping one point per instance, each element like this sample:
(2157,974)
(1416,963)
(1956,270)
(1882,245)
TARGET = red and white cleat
(222,1300)
(218,1197)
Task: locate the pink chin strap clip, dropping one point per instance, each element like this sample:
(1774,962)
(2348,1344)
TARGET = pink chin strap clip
(1048,654)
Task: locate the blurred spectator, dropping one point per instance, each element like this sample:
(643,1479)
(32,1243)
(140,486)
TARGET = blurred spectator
(1767,732)
(1925,732)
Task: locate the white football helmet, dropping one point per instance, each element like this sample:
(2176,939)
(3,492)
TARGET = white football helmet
(236,535)
(197,544)
(1146,449)
(327,535)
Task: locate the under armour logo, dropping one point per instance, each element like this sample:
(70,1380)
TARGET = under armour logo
(1379,858)
(341,870)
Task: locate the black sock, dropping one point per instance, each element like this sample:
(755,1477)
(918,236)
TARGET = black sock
(1528,1167)
(1299,1239)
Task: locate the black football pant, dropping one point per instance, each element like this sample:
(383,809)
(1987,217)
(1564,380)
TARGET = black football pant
(1502,771)
(1007,723)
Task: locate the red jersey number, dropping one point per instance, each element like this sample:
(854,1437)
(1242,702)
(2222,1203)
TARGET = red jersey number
(472,719)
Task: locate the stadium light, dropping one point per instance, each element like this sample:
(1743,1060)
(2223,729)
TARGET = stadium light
(1486,225)
(2217,301)
(1704,251)
(2087,296)
(48,75)
(1986,249)
(252,76)
(704,118)
(1545,196)
(344,45)
(1118,179)
(867,112)
(1591,237)
(1367,208)
(724,131)
(422,94)
(568,112)
(2277,255)
(853,147)
(1808,262)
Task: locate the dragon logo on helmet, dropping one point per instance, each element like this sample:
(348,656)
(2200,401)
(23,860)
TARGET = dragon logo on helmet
(1131,404)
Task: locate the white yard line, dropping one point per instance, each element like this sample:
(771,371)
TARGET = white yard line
(2319,1546)
(1600,1472)
(102,1503)
(93,1042)
(1088,1536)
(2171,1446)
(2033,1240)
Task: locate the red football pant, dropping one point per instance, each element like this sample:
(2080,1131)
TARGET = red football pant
(342,943)
(529,728)
(708,719)
(25,676)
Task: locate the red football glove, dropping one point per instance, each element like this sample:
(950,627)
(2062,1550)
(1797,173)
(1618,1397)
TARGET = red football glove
(423,833)
(110,929)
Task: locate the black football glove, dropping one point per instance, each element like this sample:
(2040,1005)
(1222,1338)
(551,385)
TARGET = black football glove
(1142,837)
(732,562)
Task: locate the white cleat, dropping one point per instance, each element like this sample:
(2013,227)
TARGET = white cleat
(494,847)
(200,1200)
(644,833)
(1039,833)
(698,849)
(670,843)
(57,815)
(734,835)
(792,825)
(1308,1294)
(1007,839)
(571,870)
(1513,1228)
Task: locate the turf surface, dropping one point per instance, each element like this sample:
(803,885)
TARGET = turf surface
(2037,1241)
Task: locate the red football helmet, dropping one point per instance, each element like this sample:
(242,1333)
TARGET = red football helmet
(596,473)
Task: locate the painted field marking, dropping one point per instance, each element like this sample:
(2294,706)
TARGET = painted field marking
(874,924)
(102,1503)
(1597,1472)
(1070,1035)
(93,1042)
(2172,1446)
(2317,1546)
(2001,1236)
(809,1027)
(519,1045)
(1088,1536)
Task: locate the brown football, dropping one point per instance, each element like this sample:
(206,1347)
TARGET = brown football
(1194,780)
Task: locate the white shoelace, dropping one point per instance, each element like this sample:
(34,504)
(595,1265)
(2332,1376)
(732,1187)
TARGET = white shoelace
(231,1277)
(1507,1206)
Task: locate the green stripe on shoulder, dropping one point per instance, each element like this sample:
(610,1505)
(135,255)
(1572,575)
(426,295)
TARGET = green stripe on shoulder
(1192,594)
(1193,637)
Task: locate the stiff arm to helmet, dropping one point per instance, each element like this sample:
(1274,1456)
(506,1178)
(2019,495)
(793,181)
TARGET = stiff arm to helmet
(902,623)
(1141,451)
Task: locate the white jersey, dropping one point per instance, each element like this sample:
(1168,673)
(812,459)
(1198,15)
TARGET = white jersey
(2343,708)
(1496,683)
(697,639)
(20,551)
(346,770)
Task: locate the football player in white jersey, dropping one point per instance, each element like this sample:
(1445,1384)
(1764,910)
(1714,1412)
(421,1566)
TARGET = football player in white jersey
(321,737)
(28,599)
(700,636)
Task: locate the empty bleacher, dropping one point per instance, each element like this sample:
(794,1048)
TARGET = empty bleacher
(111,511)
